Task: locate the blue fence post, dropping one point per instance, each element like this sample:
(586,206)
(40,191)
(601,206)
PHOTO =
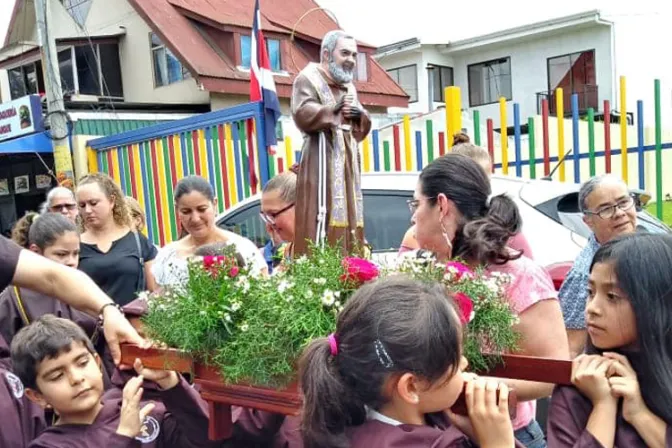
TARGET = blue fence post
(516,133)
(640,143)
(576,151)
(262,148)
(418,149)
(376,151)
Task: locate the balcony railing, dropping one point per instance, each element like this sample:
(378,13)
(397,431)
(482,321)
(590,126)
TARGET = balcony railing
(587,95)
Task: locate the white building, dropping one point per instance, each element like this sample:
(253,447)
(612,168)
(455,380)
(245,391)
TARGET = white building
(523,64)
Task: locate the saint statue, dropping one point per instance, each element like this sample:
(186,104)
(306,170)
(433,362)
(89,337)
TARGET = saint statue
(329,204)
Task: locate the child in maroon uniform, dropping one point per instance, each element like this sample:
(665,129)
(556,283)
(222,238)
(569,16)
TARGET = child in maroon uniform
(59,368)
(21,420)
(622,392)
(393,368)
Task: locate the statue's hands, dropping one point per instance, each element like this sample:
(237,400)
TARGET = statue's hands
(352,113)
(338,107)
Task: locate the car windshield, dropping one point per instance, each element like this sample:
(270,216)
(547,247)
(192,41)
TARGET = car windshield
(386,220)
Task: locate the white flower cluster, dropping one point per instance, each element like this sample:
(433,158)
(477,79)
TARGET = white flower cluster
(331,299)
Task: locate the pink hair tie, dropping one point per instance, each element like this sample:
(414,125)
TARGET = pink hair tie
(333,345)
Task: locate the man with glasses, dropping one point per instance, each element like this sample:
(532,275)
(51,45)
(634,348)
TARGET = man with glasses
(609,210)
(62,200)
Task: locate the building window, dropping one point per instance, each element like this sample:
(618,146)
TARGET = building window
(407,78)
(26,80)
(572,72)
(91,70)
(489,81)
(272,48)
(78,9)
(167,68)
(362,67)
(442,77)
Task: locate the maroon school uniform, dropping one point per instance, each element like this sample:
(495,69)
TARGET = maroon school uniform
(256,429)
(36,305)
(20,419)
(9,258)
(182,423)
(568,417)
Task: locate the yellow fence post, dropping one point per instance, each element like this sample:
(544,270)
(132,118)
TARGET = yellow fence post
(503,132)
(560,111)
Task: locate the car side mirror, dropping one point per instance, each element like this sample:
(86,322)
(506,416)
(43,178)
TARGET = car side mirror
(641,197)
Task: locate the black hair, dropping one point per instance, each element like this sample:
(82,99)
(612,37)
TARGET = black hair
(193,183)
(486,228)
(641,263)
(41,230)
(391,326)
(221,248)
(46,337)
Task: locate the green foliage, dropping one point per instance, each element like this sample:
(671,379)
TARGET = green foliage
(254,328)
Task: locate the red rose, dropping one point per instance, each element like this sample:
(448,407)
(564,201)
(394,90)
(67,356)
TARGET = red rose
(234,271)
(466,306)
(359,270)
(211,262)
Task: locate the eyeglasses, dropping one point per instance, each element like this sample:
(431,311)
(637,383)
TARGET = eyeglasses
(269,218)
(414,203)
(610,210)
(57,208)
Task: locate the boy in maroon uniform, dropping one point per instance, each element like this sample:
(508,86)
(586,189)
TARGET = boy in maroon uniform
(54,359)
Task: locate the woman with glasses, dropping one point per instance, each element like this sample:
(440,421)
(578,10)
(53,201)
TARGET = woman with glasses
(609,210)
(277,213)
(62,200)
(195,204)
(457,216)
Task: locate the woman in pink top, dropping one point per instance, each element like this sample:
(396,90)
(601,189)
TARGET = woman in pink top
(456,215)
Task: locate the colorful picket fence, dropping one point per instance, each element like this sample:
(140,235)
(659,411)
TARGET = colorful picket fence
(225,147)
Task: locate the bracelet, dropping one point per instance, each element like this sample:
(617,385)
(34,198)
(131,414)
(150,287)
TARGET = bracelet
(102,309)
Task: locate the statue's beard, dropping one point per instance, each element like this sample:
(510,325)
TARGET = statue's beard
(340,74)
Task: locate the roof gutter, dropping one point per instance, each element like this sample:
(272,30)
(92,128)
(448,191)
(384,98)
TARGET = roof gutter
(525,31)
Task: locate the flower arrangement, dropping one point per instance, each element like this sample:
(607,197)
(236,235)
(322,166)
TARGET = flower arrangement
(481,298)
(253,329)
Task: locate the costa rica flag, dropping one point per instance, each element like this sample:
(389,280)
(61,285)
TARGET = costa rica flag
(262,86)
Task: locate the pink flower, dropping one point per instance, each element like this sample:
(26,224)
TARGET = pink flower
(458,269)
(234,271)
(359,270)
(466,306)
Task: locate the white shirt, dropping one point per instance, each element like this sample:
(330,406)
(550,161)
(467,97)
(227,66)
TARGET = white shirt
(170,269)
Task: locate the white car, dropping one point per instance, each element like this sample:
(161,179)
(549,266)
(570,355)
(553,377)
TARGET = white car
(552,221)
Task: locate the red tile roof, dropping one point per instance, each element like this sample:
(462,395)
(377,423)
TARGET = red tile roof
(172,21)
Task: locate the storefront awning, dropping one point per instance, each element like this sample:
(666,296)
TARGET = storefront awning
(38,142)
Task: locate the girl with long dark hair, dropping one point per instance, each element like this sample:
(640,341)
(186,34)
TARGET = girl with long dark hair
(622,393)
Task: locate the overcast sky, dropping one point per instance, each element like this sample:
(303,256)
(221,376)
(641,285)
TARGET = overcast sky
(642,27)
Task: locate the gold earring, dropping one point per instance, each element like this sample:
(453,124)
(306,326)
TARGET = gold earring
(446,237)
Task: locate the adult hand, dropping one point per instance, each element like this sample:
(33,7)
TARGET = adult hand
(589,375)
(118,330)
(624,384)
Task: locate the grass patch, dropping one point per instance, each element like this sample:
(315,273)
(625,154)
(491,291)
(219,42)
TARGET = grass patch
(667,211)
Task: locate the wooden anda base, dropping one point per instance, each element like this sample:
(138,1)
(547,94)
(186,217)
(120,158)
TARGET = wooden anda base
(221,396)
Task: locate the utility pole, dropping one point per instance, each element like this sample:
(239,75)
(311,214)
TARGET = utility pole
(57,116)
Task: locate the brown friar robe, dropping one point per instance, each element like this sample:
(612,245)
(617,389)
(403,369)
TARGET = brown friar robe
(329,173)
(568,417)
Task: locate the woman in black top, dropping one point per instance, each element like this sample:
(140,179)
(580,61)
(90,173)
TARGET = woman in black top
(115,257)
